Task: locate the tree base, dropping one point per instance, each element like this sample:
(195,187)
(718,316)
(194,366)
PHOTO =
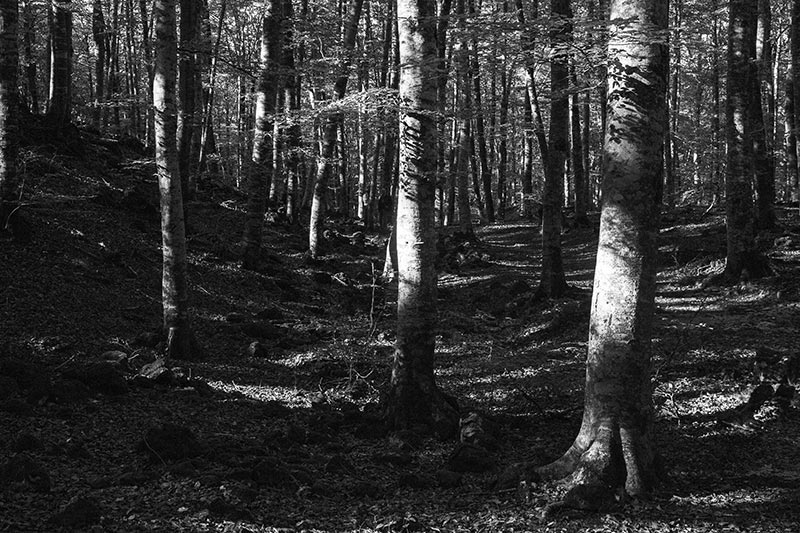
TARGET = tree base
(420,406)
(616,464)
(181,344)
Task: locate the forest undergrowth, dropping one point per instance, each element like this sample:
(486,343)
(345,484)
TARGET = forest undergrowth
(278,428)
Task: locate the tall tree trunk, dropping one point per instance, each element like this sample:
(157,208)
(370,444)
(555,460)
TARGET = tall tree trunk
(528,34)
(9,118)
(263,156)
(189,81)
(743,255)
(762,120)
(174,285)
(414,398)
(60,108)
(716,130)
(99,36)
(292,132)
(333,121)
(148,60)
(553,282)
(502,148)
(793,98)
(614,448)
(672,184)
(28,59)
(576,151)
(526,204)
(480,127)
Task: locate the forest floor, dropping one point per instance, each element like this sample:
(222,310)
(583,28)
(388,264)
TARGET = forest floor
(285,434)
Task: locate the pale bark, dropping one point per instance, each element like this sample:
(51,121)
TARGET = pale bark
(262,157)
(614,448)
(763,103)
(415,401)
(174,285)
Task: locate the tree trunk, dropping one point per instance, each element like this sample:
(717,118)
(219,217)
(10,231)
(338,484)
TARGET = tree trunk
(672,182)
(528,41)
(526,204)
(553,283)
(793,95)
(99,36)
(148,60)
(415,401)
(174,286)
(263,156)
(502,148)
(762,120)
(60,108)
(189,80)
(614,447)
(333,121)
(576,152)
(743,258)
(9,117)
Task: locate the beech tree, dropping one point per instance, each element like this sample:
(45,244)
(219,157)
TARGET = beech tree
(60,108)
(743,257)
(414,398)
(614,447)
(263,142)
(174,286)
(9,111)
(553,282)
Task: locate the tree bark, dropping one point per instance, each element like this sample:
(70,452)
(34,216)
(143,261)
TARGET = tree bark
(188,90)
(743,258)
(614,447)
(576,152)
(553,282)
(263,157)
(174,285)
(415,401)
(9,114)
(762,102)
(60,108)
(29,63)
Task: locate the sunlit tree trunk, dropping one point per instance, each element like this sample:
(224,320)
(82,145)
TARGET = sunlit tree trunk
(743,257)
(553,283)
(263,156)
(576,152)
(415,401)
(614,447)
(526,205)
(174,285)
(148,60)
(60,109)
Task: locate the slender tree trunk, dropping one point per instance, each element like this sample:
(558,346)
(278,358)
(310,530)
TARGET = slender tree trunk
(414,398)
(333,121)
(716,130)
(187,91)
(553,281)
(614,448)
(528,44)
(28,59)
(502,148)
(263,157)
(743,255)
(60,108)
(576,152)
(99,36)
(793,93)
(174,285)
(526,205)
(148,60)
(672,184)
